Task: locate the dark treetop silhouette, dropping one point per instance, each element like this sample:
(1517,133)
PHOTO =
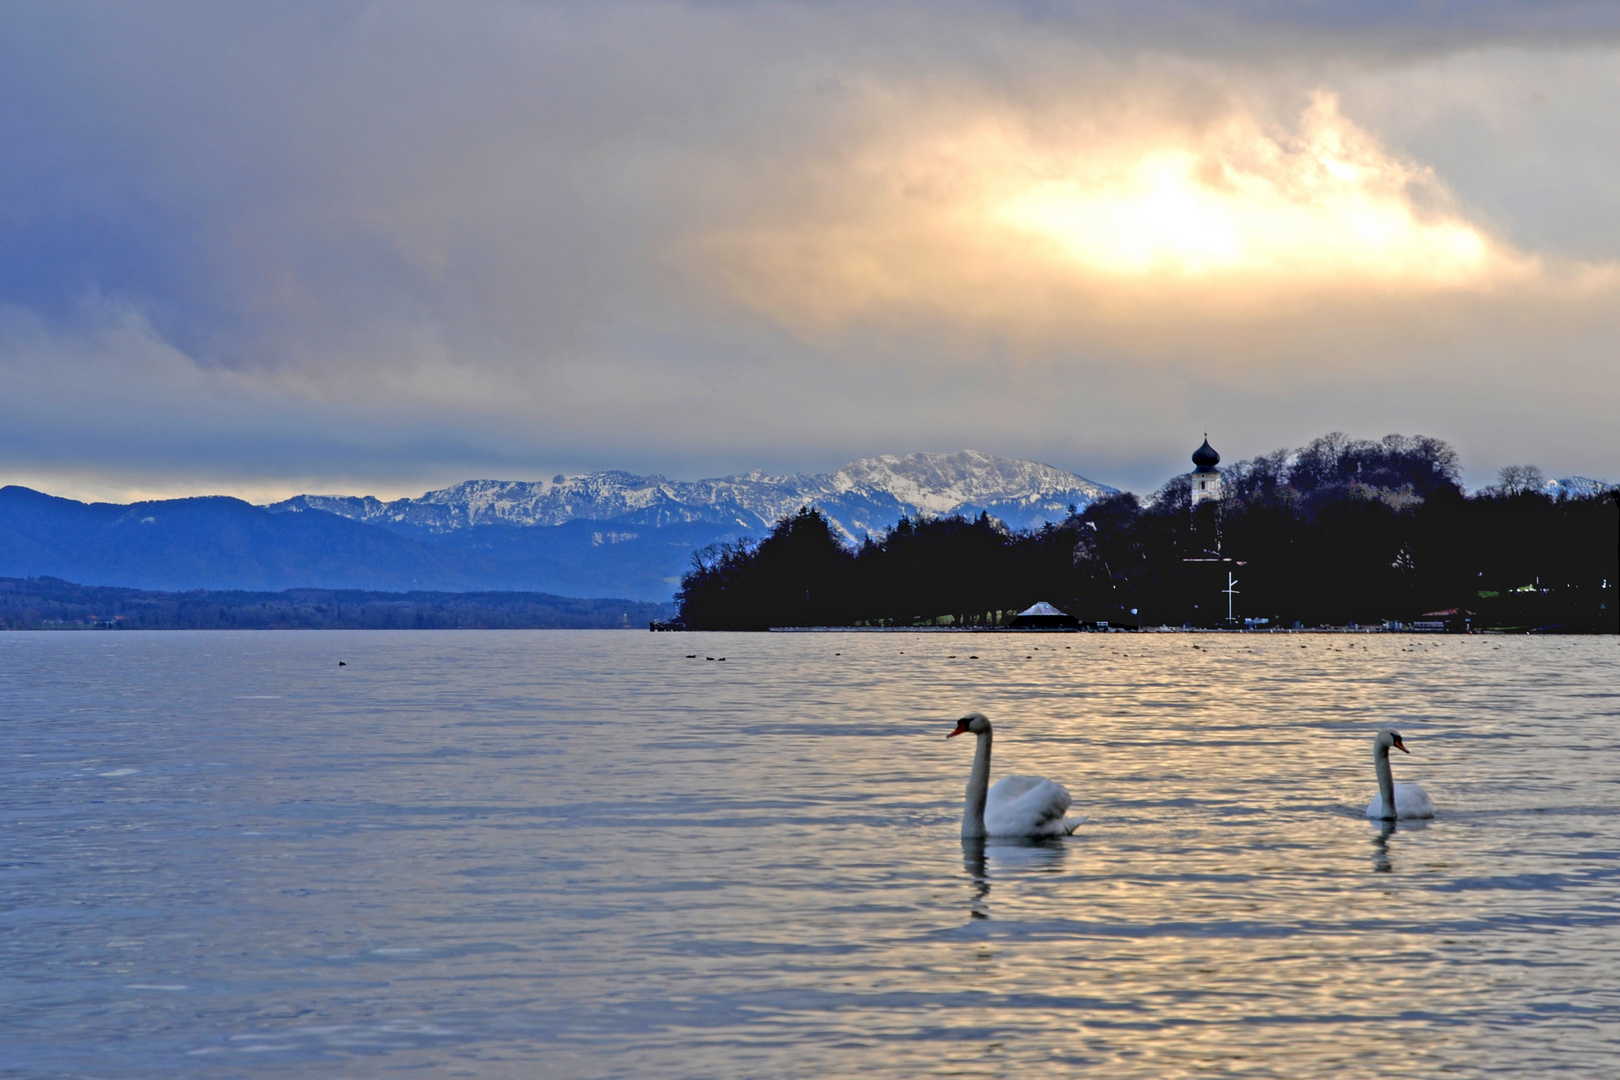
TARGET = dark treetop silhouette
(1338,531)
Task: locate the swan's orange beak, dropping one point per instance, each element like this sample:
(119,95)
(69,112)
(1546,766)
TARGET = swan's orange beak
(961,728)
(1401,746)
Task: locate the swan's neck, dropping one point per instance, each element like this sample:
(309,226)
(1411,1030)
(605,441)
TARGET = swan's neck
(978,788)
(1386,780)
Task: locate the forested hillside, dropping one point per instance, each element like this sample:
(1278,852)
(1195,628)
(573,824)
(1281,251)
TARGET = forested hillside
(1338,531)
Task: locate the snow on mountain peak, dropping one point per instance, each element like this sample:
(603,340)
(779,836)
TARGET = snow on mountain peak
(864,496)
(940,483)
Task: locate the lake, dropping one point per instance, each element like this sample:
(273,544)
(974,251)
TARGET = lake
(586,854)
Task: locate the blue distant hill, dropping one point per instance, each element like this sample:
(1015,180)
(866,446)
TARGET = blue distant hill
(47,603)
(608,534)
(224,543)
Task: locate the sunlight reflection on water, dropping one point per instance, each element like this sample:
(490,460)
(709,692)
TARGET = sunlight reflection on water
(584,854)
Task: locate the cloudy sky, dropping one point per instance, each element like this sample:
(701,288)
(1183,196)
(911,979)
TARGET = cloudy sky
(380,247)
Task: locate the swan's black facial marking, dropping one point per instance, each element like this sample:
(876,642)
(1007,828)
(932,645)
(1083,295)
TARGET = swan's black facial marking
(1398,744)
(961,728)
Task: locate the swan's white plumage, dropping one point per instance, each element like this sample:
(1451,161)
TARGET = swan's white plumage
(1017,806)
(1028,806)
(1411,801)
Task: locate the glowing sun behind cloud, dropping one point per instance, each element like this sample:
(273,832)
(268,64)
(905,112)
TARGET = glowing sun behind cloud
(1329,205)
(1112,229)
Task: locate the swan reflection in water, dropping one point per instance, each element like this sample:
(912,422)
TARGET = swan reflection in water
(1387,828)
(1009,858)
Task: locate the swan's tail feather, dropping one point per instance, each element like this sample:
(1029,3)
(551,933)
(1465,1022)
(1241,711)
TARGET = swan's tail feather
(1072,823)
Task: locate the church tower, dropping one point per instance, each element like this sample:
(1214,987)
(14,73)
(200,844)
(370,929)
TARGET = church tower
(1206,479)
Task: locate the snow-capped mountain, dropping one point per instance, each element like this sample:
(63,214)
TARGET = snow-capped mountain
(864,496)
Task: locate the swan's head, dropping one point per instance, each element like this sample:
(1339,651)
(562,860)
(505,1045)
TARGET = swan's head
(974,723)
(1387,738)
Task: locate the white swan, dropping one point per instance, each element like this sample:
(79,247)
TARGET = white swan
(1018,805)
(1409,800)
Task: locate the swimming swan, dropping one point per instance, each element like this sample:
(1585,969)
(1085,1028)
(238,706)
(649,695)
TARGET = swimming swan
(1409,800)
(1027,806)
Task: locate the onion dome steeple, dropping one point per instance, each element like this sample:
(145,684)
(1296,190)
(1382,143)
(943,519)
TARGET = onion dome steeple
(1206,478)
(1205,456)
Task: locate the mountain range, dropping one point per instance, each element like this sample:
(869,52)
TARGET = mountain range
(605,534)
(864,496)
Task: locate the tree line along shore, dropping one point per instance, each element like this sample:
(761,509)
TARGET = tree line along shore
(1338,532)
(51,604)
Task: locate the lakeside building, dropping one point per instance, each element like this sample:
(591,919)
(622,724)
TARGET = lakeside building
(1043,616)
(1211,571)
(1206,478)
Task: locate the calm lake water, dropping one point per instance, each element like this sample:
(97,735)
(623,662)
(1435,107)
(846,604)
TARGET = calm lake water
(584,854)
